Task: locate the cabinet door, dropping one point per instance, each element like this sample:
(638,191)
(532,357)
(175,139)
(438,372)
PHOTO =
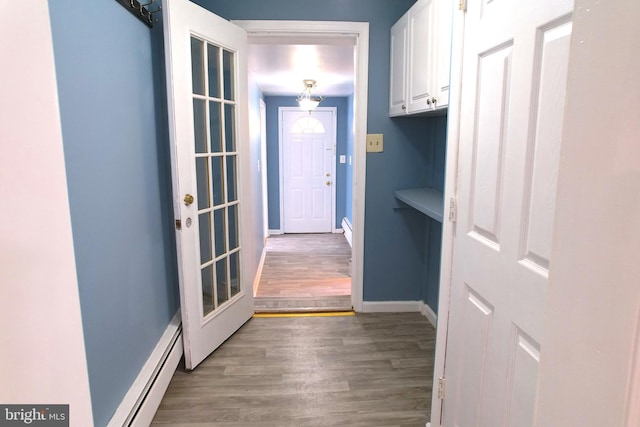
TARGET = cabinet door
(421,57)
(398,79)
(442,50)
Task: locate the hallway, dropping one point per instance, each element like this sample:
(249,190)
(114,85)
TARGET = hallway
(305,272)
(364,370)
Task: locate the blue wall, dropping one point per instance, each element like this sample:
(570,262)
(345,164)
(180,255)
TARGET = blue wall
(348,195)
(395,255)
(116,152)
(273,154)
(253,200)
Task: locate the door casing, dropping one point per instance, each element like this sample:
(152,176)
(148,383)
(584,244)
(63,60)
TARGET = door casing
(323,32)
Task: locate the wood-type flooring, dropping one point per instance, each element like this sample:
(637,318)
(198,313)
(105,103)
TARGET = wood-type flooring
(364,370)
(305,272)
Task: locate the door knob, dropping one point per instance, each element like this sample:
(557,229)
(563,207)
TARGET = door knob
(188,199)
(328,183)
(328,174)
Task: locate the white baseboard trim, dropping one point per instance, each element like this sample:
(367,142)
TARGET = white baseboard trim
(400,307)
(427,312)
(390,306)
(346,226)
(256,280)
(143,398)
(275,232)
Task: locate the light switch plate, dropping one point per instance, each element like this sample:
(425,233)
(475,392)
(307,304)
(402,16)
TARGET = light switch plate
(375,143)
(343,158)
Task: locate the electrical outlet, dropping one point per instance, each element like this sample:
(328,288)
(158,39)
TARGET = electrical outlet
(375,143)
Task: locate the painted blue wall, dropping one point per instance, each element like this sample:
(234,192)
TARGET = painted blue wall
(395,255)
(348,195)
(118,172)
(273,154)
(253,200)
(433,232)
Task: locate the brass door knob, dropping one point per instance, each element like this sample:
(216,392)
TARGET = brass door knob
(188,199)
(328,183)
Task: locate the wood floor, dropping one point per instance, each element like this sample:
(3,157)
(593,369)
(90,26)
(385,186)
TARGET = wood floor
(364,370)
(304,272)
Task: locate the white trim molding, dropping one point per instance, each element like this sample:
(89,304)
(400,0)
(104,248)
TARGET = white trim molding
(401,307)
(391,306)
(348,234)
(318,32)
(428,312)
(143,398)
(275,232)
(256,280)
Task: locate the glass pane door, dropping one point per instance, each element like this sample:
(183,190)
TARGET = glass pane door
(216,161)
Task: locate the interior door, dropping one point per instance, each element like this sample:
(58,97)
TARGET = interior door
(513,88)
(206,78)
(308,157)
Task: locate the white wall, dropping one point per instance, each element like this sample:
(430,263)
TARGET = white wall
(43,355)
(594,288)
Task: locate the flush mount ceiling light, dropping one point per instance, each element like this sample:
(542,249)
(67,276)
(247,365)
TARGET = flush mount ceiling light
(307,100)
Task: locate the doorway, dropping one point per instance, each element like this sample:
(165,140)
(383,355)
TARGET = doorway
(356,35)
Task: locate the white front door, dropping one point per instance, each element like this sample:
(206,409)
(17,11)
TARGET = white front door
(207,96)
(513,89)
(308,169)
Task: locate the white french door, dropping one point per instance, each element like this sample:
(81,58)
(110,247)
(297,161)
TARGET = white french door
(207,95)
(308,169)
(512,107)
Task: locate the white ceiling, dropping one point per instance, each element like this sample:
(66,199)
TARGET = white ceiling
(279,69)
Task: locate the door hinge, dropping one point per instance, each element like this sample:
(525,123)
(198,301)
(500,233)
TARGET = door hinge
(441,388)
(452,209)
(462,5)
(178,224)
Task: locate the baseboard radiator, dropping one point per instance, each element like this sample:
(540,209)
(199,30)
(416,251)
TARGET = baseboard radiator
(141,402)
(346,227)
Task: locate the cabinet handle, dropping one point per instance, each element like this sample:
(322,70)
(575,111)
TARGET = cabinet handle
(404,107)
(428,101)
(434,100)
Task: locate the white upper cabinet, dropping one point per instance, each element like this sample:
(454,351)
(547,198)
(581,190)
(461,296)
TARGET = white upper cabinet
(420,52)
(398,88)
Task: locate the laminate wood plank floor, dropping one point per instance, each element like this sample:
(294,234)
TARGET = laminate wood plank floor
(363,370)
(304,272)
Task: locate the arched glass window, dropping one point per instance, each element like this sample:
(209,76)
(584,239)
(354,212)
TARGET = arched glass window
(308,125)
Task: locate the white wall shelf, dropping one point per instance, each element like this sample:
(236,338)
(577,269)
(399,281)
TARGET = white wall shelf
(427,200)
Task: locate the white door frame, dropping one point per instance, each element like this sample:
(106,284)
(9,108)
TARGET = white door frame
(448,227)
(281,111)
(263,171)
(323,32)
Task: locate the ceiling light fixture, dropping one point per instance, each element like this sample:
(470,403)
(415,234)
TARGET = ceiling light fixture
(307,100)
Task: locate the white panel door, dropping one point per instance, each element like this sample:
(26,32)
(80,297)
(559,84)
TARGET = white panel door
(308,153)
(208,119)
(513,88)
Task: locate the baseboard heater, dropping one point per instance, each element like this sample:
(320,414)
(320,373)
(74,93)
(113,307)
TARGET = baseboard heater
(346,227)
(143,398)
(133,419)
